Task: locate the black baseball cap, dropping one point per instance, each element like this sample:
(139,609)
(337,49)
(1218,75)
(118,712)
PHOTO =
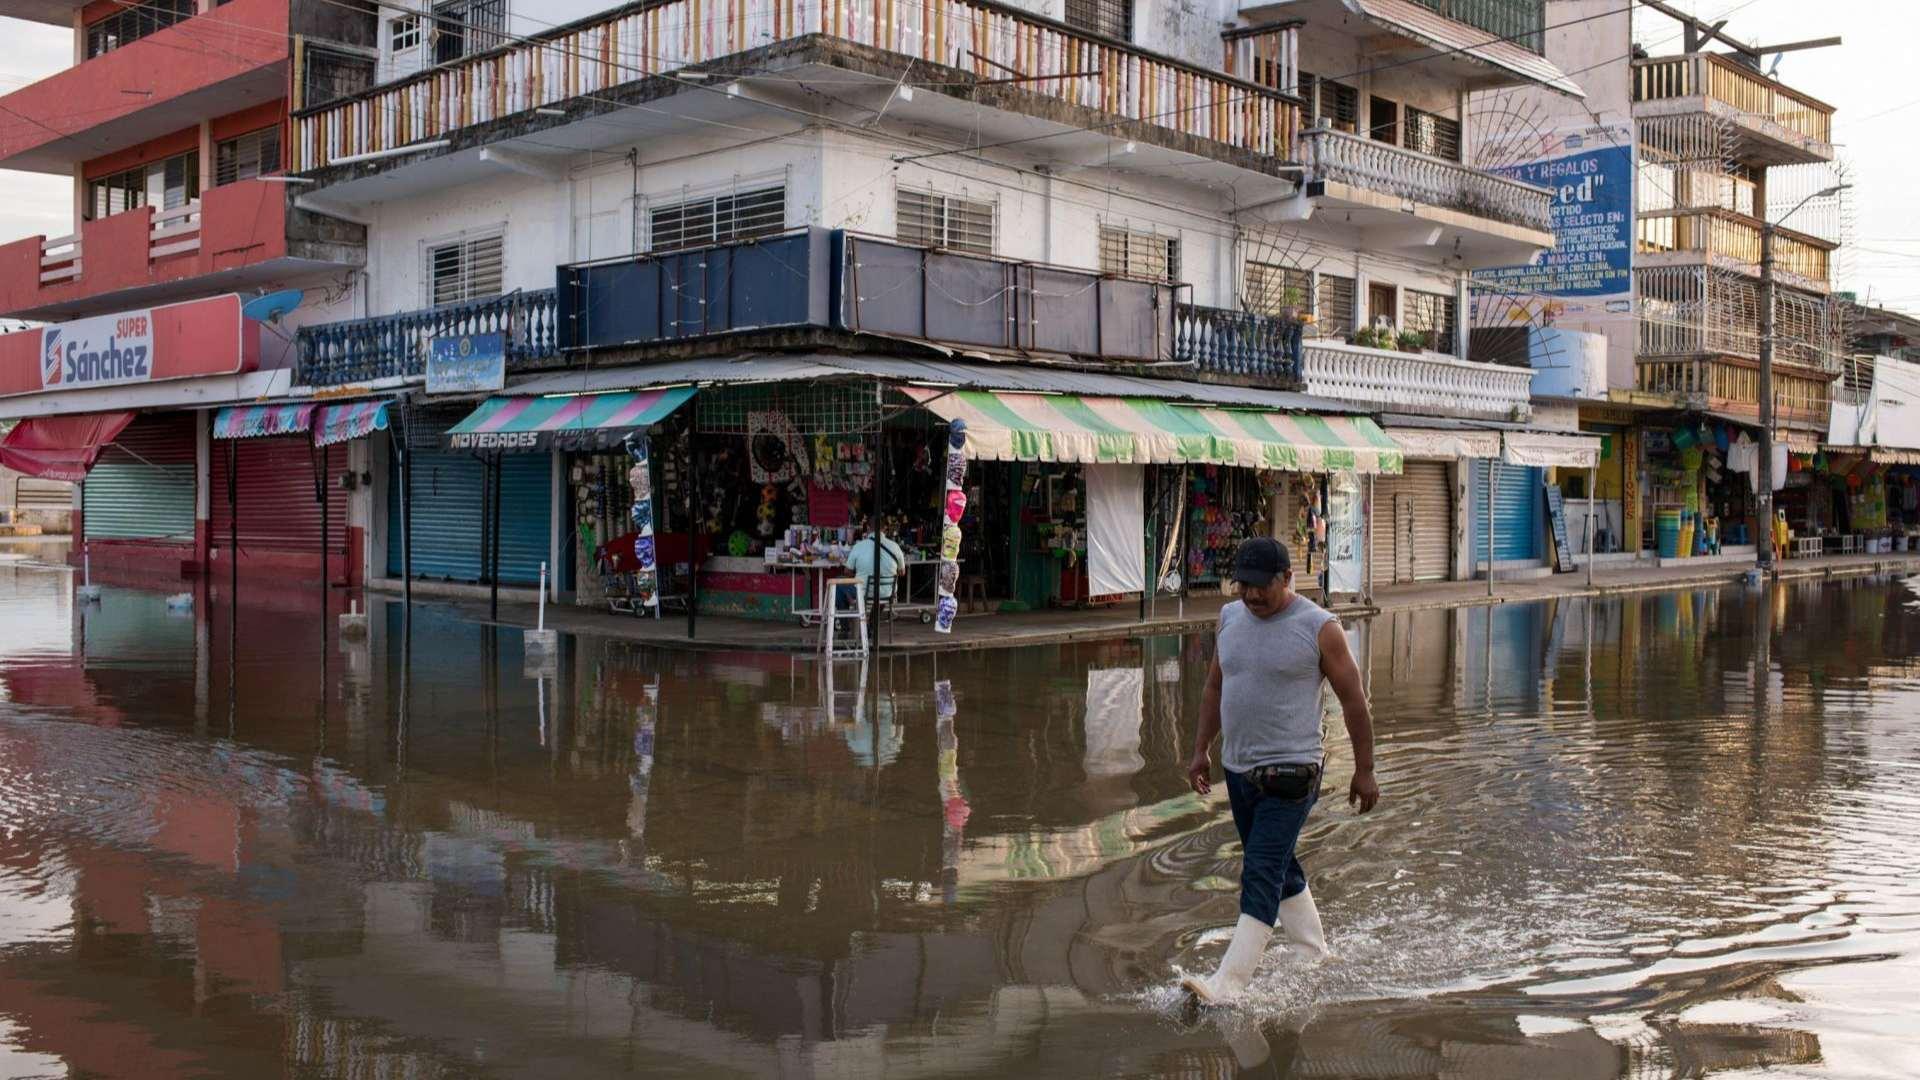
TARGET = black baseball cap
(1260,560)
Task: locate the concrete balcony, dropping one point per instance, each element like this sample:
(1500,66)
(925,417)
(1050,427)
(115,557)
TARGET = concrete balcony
(1770,123)
(1485,218)
(218,62)
(1728,386)
(1730,241)
(1477,43)
(1417,382)
(982,71)
(235,236)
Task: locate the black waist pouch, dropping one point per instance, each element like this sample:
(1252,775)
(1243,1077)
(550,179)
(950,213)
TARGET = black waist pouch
(1292,782)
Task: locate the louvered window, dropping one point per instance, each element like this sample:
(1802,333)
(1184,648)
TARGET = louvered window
(164,185)
(1146,256)
(257,153)
(1337,106)
(1272,288)
(1433,135)
(1110,18)
(1334,305)
(135,21)
(944,221)
(468,269)
(719,219)
(1431,314)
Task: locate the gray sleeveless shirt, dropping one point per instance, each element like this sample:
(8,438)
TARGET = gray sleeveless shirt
(1270,690)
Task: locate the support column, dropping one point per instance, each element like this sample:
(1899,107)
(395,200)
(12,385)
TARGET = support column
(1493,480)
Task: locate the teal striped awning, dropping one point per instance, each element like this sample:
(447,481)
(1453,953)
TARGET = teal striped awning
(1006,426)
(569,422)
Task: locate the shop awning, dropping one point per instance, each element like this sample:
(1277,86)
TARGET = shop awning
(1432,443)
(338,423)
(1879,455)
(575,422)
(1004,426)
(1550,451)
(60,447)
(252,421)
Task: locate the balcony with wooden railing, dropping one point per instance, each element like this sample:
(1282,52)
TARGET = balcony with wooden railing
(1036,60)
(1718,384)
(1404,174)
(1732,241)
(1775,125)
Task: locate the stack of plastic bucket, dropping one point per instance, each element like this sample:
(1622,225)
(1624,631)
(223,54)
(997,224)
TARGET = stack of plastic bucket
(1666,532)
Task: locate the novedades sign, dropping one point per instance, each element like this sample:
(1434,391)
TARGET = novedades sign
(106,350)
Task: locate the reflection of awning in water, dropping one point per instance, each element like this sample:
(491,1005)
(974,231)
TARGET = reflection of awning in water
(61,447)
(577,422)
(1005,426)
(253,421)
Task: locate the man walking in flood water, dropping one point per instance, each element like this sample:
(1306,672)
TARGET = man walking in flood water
(1274,651)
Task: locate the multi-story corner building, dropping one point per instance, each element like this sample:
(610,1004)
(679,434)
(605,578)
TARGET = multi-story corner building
(791,242)
(172,124)
(1682,157)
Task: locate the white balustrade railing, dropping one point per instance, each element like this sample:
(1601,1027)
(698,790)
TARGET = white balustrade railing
(973,36)
(1423,382)
(1407,174)
(59,258)
(175,231)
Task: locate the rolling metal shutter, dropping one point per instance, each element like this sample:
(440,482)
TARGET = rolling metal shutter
(446,516)
(1412,529)
(277,509)
(1517,510)
(143,486)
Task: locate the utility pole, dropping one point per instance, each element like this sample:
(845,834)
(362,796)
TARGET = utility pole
(1763,550)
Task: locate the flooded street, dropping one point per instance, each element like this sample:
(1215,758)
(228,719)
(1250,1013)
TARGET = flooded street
(1660,835)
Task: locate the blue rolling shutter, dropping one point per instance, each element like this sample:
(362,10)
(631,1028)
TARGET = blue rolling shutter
(446,516)
(1517,510)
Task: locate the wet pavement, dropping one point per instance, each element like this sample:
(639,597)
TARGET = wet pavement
(1670,834)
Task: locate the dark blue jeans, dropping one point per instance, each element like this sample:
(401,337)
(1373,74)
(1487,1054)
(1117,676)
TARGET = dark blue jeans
(1269,828)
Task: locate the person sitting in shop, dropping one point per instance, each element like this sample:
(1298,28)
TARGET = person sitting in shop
(861,559)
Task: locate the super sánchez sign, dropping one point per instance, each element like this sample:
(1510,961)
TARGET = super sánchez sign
(106,350)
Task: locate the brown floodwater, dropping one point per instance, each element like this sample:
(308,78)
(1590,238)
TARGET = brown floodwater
(1655,835)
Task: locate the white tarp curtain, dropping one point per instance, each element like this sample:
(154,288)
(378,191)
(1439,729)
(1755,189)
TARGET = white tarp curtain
(1116,704)
(1551,451)
(1743,456)
(1443,445)
(1116,529)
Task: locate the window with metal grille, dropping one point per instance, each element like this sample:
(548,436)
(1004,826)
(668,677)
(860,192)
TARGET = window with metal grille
(404,33)
(944,221)
(1110,18)
(1433,135)
(130,24)
(466,27)
(1272,288)
(1431,314)
(1142,255)
(471,268)
(257,153)
(331,74)
(1334,304)
(718,219)
(1337,106)
(166,185)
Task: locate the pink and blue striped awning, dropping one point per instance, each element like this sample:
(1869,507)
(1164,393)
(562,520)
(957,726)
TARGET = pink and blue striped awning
(251,421)
(338,423)
(574,422)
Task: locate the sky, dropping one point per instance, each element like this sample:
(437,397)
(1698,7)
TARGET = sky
(1866,80)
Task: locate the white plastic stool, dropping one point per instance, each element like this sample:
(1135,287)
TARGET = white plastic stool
(831,616)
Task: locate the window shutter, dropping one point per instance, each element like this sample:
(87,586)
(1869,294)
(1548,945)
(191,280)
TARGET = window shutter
(718,219)
(469,269)
(1146,256)
(942,221)
(1335,304)
(257,153)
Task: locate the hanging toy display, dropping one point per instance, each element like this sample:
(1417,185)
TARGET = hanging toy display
(646,579)
(954,508)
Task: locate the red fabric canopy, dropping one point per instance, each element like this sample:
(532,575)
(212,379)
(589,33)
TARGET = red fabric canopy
(61,447)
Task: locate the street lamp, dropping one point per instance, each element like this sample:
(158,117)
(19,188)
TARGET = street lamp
(1763,551)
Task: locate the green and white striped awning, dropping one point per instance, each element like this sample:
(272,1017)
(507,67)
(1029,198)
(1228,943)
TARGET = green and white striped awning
(1005,426)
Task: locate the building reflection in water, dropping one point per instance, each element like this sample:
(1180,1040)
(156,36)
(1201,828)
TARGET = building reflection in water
(767,865)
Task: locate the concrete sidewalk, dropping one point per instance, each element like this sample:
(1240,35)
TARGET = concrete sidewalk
(991,631)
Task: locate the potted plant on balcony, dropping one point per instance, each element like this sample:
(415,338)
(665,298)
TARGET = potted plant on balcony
(1372,337)
(1412,341)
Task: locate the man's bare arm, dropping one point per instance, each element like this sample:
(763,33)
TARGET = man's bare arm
(1198,769)
(1336,663)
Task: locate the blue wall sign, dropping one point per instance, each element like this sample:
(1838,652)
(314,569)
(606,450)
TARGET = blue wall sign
(471,363)
(1592,227)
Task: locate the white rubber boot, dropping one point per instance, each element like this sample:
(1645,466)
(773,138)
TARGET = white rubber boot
(1300,920)
(1249,943)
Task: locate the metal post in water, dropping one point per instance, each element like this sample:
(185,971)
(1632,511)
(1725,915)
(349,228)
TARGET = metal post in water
(1491,481)
(1592,472)
(541,622)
